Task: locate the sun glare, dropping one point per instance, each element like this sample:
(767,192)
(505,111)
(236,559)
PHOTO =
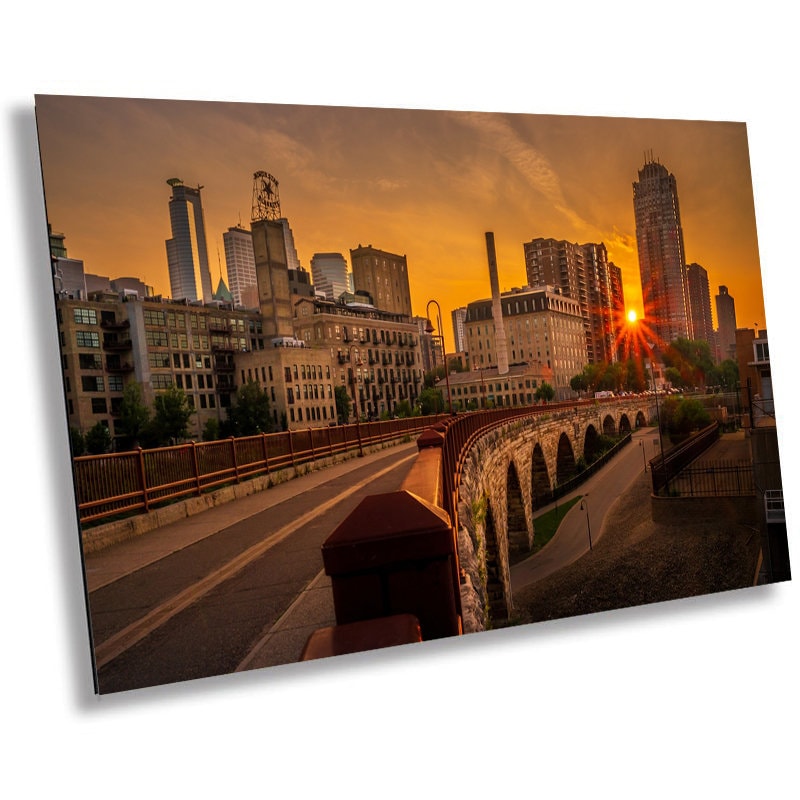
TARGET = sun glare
(632,316)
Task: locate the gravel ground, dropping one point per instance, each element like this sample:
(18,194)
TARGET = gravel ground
(637,561)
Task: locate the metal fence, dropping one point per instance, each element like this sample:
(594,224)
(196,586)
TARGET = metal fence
(136,481)
(715,479)
(665,467)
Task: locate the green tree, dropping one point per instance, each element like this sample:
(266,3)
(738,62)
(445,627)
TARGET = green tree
(77,442)
(579,383)
(431,401)
(211,430)
(98,439)
(173,412)
(250,413)
(544,392)
(692,359)
(134,416)
(342,399)
(403,409)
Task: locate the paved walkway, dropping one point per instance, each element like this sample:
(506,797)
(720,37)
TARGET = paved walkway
(601,492)
(313,607)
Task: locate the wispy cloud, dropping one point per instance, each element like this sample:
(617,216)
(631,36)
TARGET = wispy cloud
(531,164)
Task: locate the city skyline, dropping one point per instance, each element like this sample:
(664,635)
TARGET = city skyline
(424,184)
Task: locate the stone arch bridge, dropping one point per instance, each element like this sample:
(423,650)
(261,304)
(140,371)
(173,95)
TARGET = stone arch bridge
(439,549)
(507,474)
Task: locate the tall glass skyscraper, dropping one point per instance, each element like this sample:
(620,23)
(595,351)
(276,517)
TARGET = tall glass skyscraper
(187,254)
(662,262)
(241,266)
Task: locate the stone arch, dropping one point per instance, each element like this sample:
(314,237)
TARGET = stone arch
(516,521)
(624,424)
(641,421)
(541,490)
(590,444)
(565,459)
(495,589)
(609,426)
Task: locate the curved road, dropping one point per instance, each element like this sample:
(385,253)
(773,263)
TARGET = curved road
(600,492)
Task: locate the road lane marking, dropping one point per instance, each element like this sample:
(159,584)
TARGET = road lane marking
(131,635)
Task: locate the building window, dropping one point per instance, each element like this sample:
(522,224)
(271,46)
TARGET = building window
(85,316)
(87,339)
(92,383)
(99,405)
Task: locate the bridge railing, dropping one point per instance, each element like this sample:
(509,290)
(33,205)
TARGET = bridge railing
(134,481)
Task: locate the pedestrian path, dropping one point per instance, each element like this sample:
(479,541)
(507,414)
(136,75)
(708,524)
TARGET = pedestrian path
(122,559)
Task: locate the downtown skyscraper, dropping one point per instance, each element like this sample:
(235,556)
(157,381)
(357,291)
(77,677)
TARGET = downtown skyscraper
(662,261)
(187,253)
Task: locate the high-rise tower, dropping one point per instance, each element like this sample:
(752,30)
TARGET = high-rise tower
(187,254)
(329,275)
(662,263)
(700,304)
(241,266)
(726,322)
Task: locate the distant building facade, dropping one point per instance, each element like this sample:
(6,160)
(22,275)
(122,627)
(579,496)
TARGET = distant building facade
(187,252)
(240,265)
(384,276)
(329,275)
(583,273)
(662,262)
(458,316)
(700,305)
(726,325)
(544,329)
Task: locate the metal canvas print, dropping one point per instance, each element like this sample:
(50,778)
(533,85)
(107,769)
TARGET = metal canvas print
(340,379)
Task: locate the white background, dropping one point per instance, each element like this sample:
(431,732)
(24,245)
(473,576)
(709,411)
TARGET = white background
(688,699)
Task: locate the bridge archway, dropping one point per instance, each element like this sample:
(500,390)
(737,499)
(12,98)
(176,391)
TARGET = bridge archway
(641,422)
(624,425)
(565,459)
(609,426)
(541,490)
(496,602)
(516,521)
(590,444)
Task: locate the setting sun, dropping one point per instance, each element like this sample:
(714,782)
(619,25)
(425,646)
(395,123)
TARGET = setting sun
(632,316)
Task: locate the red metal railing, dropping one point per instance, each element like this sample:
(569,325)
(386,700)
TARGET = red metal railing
(134,481)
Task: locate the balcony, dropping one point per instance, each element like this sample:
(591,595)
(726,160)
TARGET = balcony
(115,325)
(116,367)
(117,345)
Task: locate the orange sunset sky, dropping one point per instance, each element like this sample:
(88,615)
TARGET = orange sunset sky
(427,184)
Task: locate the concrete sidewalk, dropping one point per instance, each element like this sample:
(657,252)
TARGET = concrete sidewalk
(112,563)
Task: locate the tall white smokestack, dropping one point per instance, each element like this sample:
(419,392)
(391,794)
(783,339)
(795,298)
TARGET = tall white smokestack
(497,309)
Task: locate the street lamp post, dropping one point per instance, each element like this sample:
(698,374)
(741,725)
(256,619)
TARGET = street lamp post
(585,506)
(658,419)
(429,329)
(644,456)
(353,366)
